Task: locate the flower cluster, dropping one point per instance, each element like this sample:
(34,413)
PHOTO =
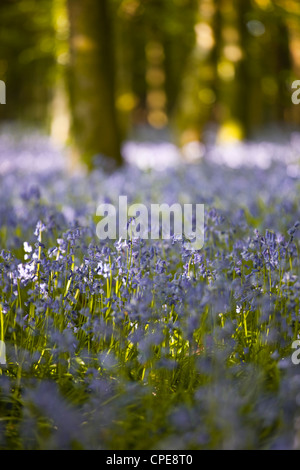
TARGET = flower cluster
(142,344)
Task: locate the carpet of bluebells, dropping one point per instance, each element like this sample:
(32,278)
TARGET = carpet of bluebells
(139,344)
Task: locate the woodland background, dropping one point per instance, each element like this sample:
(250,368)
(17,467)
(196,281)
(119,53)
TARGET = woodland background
(96,73)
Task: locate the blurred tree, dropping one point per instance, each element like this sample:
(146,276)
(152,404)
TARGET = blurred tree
(153,39)
(196,104)
(238,71)
(27,60)
(60,123)
(92,81)
(130,50)
(232,80)
(267,64)
(178,41)
(289,10)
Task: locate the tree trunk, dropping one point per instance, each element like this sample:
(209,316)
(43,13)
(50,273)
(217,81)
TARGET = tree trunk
(92,92)
(26,65)
(196,104)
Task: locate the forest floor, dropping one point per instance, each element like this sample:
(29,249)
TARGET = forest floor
(144,344)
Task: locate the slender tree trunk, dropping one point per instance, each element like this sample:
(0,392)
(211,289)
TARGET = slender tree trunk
(94,123)
(196,102)
(231,58)
(25,67)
